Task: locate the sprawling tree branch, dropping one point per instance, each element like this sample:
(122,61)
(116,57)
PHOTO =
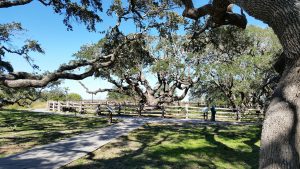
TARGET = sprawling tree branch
(98,90)
(23,79)
(9,3)
(219,11)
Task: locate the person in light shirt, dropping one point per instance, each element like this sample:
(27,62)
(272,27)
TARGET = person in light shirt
(205,112)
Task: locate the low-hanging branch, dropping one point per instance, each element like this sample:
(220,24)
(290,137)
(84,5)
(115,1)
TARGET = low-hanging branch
(117,90)
(220,13)
(23,79)
(9,3)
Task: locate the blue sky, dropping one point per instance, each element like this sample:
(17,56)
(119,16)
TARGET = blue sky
(44,25)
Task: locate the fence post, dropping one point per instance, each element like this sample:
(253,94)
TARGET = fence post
(119,109)
(124,107)
(140,109)
(80,107)
(48,105)
(58,106)
(186,111)
(162,111)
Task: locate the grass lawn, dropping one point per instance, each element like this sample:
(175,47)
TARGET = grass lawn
(171,146)
(21,130)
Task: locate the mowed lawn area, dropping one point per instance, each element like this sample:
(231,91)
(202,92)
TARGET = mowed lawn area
(21,130)
(179,146)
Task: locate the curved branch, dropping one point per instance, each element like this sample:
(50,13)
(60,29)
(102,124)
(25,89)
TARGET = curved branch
(23,79)
(7,3)
(196,13)
(98,90)
(219,11)
(145,83)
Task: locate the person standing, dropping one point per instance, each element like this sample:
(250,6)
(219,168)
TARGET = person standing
(213,113)
(205,113)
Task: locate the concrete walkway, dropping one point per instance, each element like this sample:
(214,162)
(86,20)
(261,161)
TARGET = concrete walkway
(61,153)
(58,154)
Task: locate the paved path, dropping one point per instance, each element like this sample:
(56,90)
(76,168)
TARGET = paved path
(61,153)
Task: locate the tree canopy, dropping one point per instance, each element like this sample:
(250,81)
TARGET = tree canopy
(237,67)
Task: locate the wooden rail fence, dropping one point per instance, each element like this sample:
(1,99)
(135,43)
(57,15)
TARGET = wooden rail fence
(185,110)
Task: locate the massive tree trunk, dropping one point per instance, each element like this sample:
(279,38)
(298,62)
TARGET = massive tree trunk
(280,141)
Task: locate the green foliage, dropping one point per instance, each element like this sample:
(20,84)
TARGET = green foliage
(19,96)
(237,66)
(129,56)
(7,36)
(162,58)
(55,93)
(73,97)
(120,97)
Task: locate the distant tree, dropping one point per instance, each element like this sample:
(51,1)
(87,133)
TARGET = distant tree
(117,96)
(237,67)
(55,93)
(73,97)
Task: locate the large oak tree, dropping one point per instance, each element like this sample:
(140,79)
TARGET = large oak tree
(157,59)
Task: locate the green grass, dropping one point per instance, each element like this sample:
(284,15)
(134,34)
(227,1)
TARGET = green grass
(175,146)
(34,105)
(20,130)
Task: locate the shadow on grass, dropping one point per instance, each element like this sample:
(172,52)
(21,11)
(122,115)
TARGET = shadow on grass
(180,146)
(18,127)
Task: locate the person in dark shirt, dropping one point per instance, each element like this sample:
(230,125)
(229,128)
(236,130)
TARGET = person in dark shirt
(213,113)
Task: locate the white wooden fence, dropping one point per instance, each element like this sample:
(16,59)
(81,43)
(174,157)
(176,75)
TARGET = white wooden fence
(183,110)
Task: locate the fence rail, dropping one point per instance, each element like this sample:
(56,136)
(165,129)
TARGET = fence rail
(187,110)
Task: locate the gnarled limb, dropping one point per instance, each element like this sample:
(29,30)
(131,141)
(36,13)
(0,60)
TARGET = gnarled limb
(218,11)
(23,79)
(9,3)
(98,90)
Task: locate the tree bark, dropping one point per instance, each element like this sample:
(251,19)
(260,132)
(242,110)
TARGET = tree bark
(280,136)
(110,120)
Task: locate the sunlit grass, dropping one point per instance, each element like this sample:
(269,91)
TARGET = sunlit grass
(34,105)
(21,130)
(171,146)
